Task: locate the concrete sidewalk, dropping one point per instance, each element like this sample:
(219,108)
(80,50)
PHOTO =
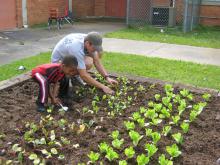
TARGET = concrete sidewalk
(24,43)
(162,50)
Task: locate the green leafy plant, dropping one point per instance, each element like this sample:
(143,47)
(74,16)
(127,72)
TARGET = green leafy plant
(173,150)
(117,143)
(151,113)
(185,127)
(182,107)
(129,125)
(151,149)
(115,134)
(142,159)
(122,162)
(141,122)
(155,137)
(168,88)
(129,152)
(155,121)
(192,116)
(166,101)
(184,92)
(166,130)
(176,119)
(163,161)
(157,97)
(136,116)
(111,154)
(143,110)
(34,158)
(158,107)
(178,138)
(150,104)
(93,156)
(206,97)
(164,113)
(148,131)
(103,147)
(135,137)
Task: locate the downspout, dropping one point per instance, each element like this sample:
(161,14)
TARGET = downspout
(24,13)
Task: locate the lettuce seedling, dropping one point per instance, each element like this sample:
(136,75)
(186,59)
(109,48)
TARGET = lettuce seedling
(151,113)
(148,131)
(93,156)
(117,143)
(103,147)
(206,97)
(143,110)
(184,92)
(199,107)
(166,101)
(158,107)
(168,88)
(166,130)
(111,154)
(164,113)
(173,150)
(141,122)
(193,115)
(34,158)
(178,138)
(151,149)
(142,159)
(157,97)
(151,104)
(176,119)
(155,121)
(185,127)
(129,152)
(136,116)
(122,162)
(115,134)
(163,161)
(155,136)
(135,137)
(129,125)
(177,99)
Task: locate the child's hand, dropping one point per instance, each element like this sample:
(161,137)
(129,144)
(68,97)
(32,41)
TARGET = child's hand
(55,101)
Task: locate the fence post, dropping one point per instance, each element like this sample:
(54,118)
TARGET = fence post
(127,16)
(186,5)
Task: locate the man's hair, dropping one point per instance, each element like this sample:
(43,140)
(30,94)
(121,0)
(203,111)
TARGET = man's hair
(70,61)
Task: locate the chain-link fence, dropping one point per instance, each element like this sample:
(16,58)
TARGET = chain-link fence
(169,13)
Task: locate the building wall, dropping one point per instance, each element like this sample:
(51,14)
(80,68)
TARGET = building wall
(82,8)
(210,15)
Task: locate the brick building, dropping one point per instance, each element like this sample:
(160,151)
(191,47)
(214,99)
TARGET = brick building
(17,13)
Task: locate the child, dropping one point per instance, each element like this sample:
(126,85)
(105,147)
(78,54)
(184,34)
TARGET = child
(48,74)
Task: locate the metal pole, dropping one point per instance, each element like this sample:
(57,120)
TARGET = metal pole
(127,16)
(185,15)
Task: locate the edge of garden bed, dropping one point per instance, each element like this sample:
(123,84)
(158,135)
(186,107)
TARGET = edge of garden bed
(26,76)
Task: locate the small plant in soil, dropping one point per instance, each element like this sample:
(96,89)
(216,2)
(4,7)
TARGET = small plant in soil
(157,97)
(155,137)
(185,127)
(206,97)
(93,156)
(166,130)
(111,154)
(178,138)
(115,134)
(116,143)
(135,137)
(163,161)
(129,125)
(129,152)
(142,159)
(141,122)
(148,131)
(122,162)
(173,150)
(164,113)
(176,119)
(136,116)
(151,149)
(151,113)
(103,147)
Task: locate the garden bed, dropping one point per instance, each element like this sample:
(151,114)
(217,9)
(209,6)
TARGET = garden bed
(59,137)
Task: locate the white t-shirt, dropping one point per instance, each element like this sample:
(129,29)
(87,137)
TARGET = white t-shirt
(72,44)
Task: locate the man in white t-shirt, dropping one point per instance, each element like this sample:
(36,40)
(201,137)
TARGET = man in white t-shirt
(86,48)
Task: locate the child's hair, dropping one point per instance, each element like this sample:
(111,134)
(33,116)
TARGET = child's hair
(70,61)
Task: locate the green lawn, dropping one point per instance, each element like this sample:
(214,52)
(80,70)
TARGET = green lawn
(202,36)
(174,71)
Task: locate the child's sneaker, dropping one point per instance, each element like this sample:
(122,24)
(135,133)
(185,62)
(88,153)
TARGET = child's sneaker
(40,107)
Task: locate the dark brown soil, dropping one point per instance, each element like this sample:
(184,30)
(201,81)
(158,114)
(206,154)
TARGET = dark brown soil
(17,106)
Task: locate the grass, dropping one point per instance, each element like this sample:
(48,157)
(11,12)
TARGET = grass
(201,36)
(170,70)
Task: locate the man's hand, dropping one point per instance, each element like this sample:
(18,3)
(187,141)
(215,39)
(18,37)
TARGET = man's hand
(107,90)
(111,81)
(55,101)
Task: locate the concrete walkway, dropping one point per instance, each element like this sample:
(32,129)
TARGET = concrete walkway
(15,45)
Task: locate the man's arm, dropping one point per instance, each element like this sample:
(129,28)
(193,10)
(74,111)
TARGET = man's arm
(91,81)
(100,68)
